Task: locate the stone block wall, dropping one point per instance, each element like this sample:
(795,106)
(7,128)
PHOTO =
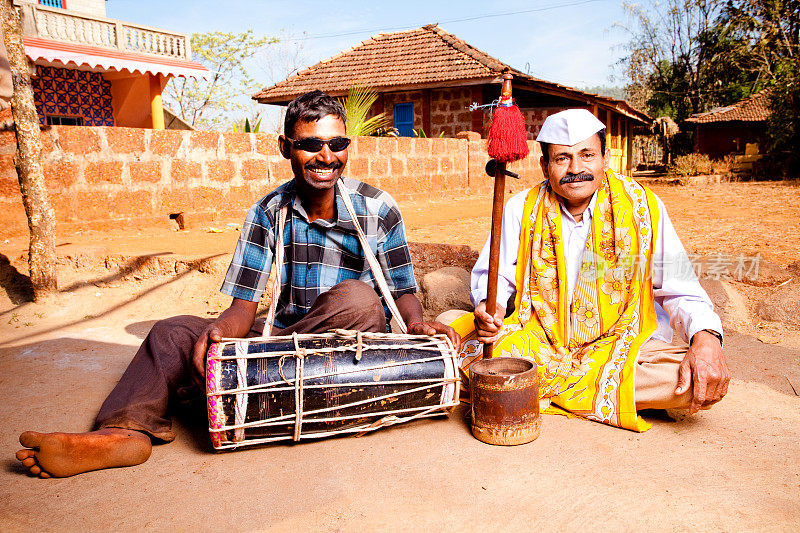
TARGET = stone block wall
(450,111)
(535,117)
(103,177)
(390,99)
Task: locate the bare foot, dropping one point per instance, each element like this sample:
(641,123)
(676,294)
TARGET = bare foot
(67,454)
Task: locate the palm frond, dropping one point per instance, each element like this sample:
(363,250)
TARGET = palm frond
(357,105)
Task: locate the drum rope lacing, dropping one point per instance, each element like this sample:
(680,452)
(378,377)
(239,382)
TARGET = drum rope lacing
(300,354)
(300,360)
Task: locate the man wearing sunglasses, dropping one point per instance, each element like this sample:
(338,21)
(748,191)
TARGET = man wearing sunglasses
(325,284)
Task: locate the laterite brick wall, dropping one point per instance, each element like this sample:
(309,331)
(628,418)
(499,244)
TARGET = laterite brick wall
(101,177)
(450,111)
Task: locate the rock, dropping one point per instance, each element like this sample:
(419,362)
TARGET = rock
(428,257)
(446,288)
(753,270)
(783,305)
(728,303)
(794,268)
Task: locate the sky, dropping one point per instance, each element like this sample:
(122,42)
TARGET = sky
(572,42)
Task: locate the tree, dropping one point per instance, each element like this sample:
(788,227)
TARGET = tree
(670,56)
(39,210)
(277,63)
(765,34)
(207,104)
(666,129)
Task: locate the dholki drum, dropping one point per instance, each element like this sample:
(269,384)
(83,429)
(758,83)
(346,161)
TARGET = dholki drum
(268,389)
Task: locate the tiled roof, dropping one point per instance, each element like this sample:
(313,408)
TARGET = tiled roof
(754,108)
(420,58)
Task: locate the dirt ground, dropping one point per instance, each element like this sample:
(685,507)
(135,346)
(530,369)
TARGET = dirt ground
(735,467)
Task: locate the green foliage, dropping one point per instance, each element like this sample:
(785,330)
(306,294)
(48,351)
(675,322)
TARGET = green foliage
(420,133)
(783,126)
(357,105)
(687,56)
(247,128)
(668,56)
(767,34)
(207,104)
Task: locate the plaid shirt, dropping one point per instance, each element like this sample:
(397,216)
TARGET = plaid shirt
(319,254)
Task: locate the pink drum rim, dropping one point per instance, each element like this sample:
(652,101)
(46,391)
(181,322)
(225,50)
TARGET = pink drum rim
(216,415)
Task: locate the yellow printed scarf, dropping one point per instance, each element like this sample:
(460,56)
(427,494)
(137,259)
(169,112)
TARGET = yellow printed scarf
(585,350)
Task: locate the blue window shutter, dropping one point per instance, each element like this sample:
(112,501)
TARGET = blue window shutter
(52,3)
(404,119)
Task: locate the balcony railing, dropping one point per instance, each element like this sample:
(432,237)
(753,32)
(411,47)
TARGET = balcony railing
(80,28)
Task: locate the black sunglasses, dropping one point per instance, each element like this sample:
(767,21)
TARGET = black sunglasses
(313,144)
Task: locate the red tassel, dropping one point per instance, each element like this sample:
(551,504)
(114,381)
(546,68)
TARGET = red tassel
(507,136)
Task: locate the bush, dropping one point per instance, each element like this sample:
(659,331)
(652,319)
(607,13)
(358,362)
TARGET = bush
(693,164)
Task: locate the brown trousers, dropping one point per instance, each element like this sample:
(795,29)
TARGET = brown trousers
(163,364)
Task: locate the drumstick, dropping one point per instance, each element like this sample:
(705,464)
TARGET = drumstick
(506,143)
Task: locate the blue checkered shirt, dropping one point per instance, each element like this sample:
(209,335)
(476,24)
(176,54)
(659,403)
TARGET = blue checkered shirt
(319,254)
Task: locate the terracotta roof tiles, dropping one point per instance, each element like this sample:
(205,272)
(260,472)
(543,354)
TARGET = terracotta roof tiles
(414,57)
(420,58)
(754,108)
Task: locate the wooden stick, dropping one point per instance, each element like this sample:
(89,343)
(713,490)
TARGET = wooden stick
(494,247)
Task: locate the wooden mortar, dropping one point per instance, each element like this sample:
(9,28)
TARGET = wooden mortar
(505,400)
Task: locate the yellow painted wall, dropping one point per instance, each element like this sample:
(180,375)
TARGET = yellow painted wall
(131,99)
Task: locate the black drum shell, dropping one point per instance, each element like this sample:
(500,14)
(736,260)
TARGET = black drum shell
(333,380)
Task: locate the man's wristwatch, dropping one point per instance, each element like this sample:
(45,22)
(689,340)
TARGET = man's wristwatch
(717,334)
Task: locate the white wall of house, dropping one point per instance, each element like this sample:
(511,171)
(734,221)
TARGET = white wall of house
(96,8)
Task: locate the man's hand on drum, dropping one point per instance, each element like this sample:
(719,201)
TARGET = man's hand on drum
(434,328)
(486,326)
(235,321)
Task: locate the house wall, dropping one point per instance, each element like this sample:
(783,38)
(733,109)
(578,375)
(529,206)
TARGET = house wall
(535,117)
(102,177)
(719,140)
(445,111)
(96,8)
(131,100)
(389,99)
(69,92)
(450,111)
(102,99)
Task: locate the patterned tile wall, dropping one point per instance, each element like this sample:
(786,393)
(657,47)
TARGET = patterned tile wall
(62,91)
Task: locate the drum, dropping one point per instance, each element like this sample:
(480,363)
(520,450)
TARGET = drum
(303,386)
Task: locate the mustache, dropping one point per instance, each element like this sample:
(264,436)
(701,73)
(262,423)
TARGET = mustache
(333,166)
(572,178)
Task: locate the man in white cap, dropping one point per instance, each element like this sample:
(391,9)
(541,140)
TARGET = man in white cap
(591,275)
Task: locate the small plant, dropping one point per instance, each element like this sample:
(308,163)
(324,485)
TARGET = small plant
(357,104)
(247,127)
(685,166)
(420,133)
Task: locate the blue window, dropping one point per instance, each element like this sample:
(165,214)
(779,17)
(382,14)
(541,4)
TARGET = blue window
(404,119)
(52,3)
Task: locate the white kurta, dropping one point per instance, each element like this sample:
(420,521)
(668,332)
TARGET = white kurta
(680,300)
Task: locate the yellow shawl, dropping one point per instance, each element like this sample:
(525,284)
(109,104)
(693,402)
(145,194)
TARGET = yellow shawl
(585,350)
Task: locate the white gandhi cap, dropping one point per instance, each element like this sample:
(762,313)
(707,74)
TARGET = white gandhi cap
(569,127)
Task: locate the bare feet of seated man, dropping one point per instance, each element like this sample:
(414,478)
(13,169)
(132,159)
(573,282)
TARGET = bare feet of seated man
(66,454)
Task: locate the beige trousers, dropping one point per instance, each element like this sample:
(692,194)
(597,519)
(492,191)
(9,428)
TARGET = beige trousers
(656,375)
